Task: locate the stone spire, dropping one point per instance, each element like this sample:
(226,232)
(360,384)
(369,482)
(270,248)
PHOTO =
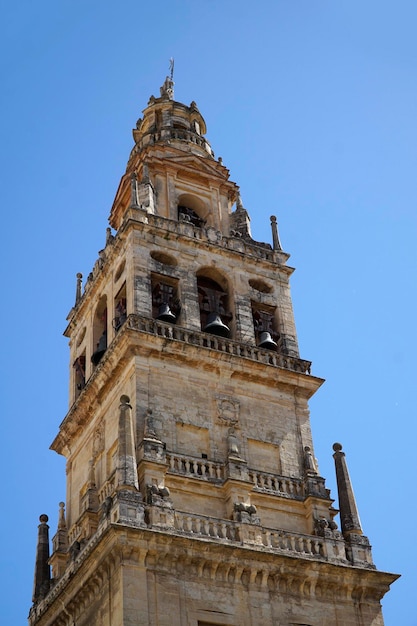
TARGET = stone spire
(276,244)
(42,570)
(167,89)
(78,288)
(60,541)
(349,517)
(241,219)
(127,475)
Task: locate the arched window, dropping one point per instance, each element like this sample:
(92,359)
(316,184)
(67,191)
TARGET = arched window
(99,331)
(120,312)
(79,374)
(191,209)
(165,302)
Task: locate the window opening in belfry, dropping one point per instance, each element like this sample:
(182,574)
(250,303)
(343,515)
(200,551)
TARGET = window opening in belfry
(165,304)
(79,369)
(264,325)
(186,214)
(100,331)
(120,311)
(213,303)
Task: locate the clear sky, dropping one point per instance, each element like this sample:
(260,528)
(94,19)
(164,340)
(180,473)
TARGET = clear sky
(313,106)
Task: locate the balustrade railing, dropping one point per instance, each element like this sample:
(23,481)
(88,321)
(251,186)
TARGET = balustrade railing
(284,486)
(107,489)
(205,340)
(192,466)
(293,542)
(229,531)
(203,526)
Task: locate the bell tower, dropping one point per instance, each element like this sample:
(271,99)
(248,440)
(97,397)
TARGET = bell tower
(193,494)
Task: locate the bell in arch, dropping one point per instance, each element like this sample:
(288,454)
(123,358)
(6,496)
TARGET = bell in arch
(165,314)
(266,342)
(215,326)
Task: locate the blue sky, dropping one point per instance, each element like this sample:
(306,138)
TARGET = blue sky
(312,105)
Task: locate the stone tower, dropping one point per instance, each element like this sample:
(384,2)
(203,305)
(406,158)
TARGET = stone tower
(193,495)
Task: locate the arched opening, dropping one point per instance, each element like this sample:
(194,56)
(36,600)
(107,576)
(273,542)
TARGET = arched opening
(79,374)
(191,209)
(213,300)
(165,302)
(100,331)
(120,314)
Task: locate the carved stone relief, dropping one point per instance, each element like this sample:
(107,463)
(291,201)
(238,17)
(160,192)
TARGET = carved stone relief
(228,410)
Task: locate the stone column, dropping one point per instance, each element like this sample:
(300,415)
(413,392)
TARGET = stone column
(349,517)
(42,570)
(276,244)
(127,475)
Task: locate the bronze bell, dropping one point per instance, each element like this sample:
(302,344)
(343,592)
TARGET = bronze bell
(266,342)
(165,314)
(215,326)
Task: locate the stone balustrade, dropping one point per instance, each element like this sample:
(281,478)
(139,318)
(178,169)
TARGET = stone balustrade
(294,542)
(205,340)
(108,488)
(278,485)
(196,467)
(235,532)
(202,526)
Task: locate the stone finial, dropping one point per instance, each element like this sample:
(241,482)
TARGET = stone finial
(62,523)
(78,290)
(349,517)
(241,219)
(127,475)
(276,244)
(60,540)
(42,576)
(239,203)
(167,89)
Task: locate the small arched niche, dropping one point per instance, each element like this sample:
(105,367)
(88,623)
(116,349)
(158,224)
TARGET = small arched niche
(214,302)
(192,209)
(164,258)
(260,285)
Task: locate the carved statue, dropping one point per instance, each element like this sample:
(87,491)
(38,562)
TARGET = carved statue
(233,443)
(309,461)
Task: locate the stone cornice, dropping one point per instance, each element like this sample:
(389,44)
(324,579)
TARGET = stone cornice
(183,557)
